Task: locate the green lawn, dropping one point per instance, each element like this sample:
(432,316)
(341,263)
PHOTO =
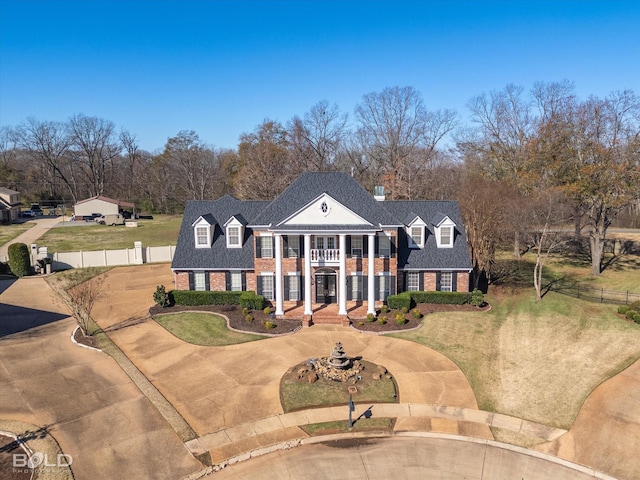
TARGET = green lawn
(204,329)
(9,232)
(162,230)
(298,394)
(534,360)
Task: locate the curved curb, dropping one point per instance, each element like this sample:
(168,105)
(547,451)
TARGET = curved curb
(371,435)
(73,334)
(268,335)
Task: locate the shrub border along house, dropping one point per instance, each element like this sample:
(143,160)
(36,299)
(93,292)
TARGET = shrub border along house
(409,300)
(193,297)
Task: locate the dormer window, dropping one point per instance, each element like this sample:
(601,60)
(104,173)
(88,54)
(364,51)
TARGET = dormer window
(445,236)
(234,232)
(416,235)
(444,231)
(202,232)
(202,236)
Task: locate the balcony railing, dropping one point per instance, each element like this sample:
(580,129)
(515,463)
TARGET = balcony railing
(325,255)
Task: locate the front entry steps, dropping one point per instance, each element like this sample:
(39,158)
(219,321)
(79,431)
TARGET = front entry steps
(322,318)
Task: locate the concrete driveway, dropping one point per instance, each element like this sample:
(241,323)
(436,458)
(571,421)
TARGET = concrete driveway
(214,387)
(94,411)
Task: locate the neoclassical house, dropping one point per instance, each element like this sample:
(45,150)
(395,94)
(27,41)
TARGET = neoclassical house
(324,240)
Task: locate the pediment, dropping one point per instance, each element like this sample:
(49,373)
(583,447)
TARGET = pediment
(324,210)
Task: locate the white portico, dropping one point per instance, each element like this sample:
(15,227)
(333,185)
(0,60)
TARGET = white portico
(331,234)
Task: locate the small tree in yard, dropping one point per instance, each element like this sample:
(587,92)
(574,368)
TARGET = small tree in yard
(161,297)
(82,298)
(19,261)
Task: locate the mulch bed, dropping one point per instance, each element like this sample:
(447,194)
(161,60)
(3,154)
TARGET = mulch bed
(79,337)
(425,309)
(236,318)
(238,322)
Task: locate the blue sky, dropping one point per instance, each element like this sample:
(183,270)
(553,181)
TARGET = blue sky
(221,67)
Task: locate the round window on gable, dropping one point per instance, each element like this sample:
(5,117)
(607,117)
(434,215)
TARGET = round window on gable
(325,208)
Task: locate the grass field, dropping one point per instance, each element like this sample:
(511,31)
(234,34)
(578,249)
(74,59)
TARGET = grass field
(203,329)
(534,360)
(162,230)
(9,232)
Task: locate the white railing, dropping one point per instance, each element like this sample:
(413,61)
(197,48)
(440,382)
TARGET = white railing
(325,255)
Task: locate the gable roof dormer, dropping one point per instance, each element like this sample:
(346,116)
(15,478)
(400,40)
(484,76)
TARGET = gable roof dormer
(444,229)
(234,230)
(203,230)
(416,230)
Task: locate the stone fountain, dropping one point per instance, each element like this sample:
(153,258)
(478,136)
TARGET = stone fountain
(338,358)
(337,366)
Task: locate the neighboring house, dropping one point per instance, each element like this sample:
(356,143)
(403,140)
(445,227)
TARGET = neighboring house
(325,239)
(101,205)
(9,205)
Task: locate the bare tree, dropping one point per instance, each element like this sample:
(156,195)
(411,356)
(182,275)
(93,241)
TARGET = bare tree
(317,138)
(399,134)
(82,298)
(194,164)
(48,144)
(265,163)
(94,146)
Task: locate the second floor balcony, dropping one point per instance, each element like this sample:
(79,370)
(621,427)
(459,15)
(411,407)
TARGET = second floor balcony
(325,256)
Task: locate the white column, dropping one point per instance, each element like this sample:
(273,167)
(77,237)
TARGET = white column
(342,290)
(371,294)
(308,309)
(278,279)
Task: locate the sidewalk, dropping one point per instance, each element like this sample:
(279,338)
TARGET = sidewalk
(238,439)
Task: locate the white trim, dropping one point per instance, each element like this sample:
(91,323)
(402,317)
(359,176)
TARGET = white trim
(318,198)
(291,274)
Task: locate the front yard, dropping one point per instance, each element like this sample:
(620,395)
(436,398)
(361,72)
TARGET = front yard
(534,360)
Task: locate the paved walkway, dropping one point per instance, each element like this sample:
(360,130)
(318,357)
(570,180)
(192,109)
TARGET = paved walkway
(42,225)
(237,439)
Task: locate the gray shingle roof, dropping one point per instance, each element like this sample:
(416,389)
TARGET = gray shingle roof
(305,189)
(430,256)
(340,186)
(188,257)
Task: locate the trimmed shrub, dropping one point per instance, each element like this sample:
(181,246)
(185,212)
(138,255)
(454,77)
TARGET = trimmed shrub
(267,310)
(19,260)
(245,311)
(251,301)
(248,318)
(161,297)
(370,317)
(415,313)
(382,320)
(397,302)
(192,297)
(269,325)
(632,314)
(448,298)
(623,309)
(477,298)
(384,309)
(400,319)
(635,306)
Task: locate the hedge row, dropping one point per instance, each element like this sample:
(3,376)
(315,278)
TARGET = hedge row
(192,297)
(409,300)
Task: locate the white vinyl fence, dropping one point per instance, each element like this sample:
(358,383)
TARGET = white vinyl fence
(109,258)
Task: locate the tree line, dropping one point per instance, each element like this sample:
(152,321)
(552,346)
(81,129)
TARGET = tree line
(527,162)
